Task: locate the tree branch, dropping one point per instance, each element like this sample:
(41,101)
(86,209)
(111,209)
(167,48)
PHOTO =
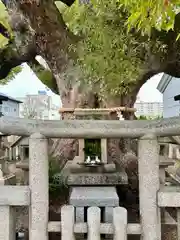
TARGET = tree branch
(20,49)
(11,57)
(45,75)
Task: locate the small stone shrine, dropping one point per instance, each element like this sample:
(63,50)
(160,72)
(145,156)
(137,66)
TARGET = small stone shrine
(92,178)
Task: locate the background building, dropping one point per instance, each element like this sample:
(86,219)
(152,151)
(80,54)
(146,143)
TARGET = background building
(170,87)
(39,106)
(148,109)
(10,107)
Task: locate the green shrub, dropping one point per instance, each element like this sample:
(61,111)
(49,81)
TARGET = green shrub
(57,182)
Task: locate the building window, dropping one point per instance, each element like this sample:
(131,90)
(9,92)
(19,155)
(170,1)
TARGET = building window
(14,109)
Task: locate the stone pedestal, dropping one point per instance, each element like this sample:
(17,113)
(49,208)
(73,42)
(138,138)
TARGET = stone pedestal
(103,197)
(93,186)
(94,196)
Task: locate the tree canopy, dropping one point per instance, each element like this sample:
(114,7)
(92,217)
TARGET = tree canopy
(145,15)
(107,55)
(4,22)
(5,35)
(115,45)
(119,37)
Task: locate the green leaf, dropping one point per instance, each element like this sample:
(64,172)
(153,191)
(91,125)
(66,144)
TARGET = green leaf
(178,36)
(4,20)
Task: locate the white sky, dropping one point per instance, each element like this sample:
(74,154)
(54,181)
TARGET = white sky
(26,82)
(149,92)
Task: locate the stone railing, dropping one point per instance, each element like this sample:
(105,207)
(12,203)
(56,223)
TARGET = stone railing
(119,228)
(152,195)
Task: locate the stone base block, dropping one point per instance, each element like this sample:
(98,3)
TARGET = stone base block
(8,180)
(88,179)
(94,196)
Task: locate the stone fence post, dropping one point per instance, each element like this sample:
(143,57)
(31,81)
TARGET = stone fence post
(39,184)
(120,223)
(67,223)
(93,221)
(148,186)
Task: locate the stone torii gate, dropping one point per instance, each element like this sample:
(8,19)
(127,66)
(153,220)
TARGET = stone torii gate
(153,196)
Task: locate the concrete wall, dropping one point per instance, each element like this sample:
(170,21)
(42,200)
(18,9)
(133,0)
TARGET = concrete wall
(171,107)
(10,108)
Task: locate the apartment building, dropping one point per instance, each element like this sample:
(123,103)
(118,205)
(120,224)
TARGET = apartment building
(149,109)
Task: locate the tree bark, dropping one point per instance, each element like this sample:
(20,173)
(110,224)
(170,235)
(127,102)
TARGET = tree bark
(52,38)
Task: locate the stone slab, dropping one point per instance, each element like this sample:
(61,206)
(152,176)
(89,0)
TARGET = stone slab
(94,196)
(23,165)
(74,167)
(9,179)
(166,160)
(166,140)
(14,195)
(88,179)
(169,196)
(107,168)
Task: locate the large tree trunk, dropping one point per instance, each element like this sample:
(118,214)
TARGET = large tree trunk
(52,39)
(52,43)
